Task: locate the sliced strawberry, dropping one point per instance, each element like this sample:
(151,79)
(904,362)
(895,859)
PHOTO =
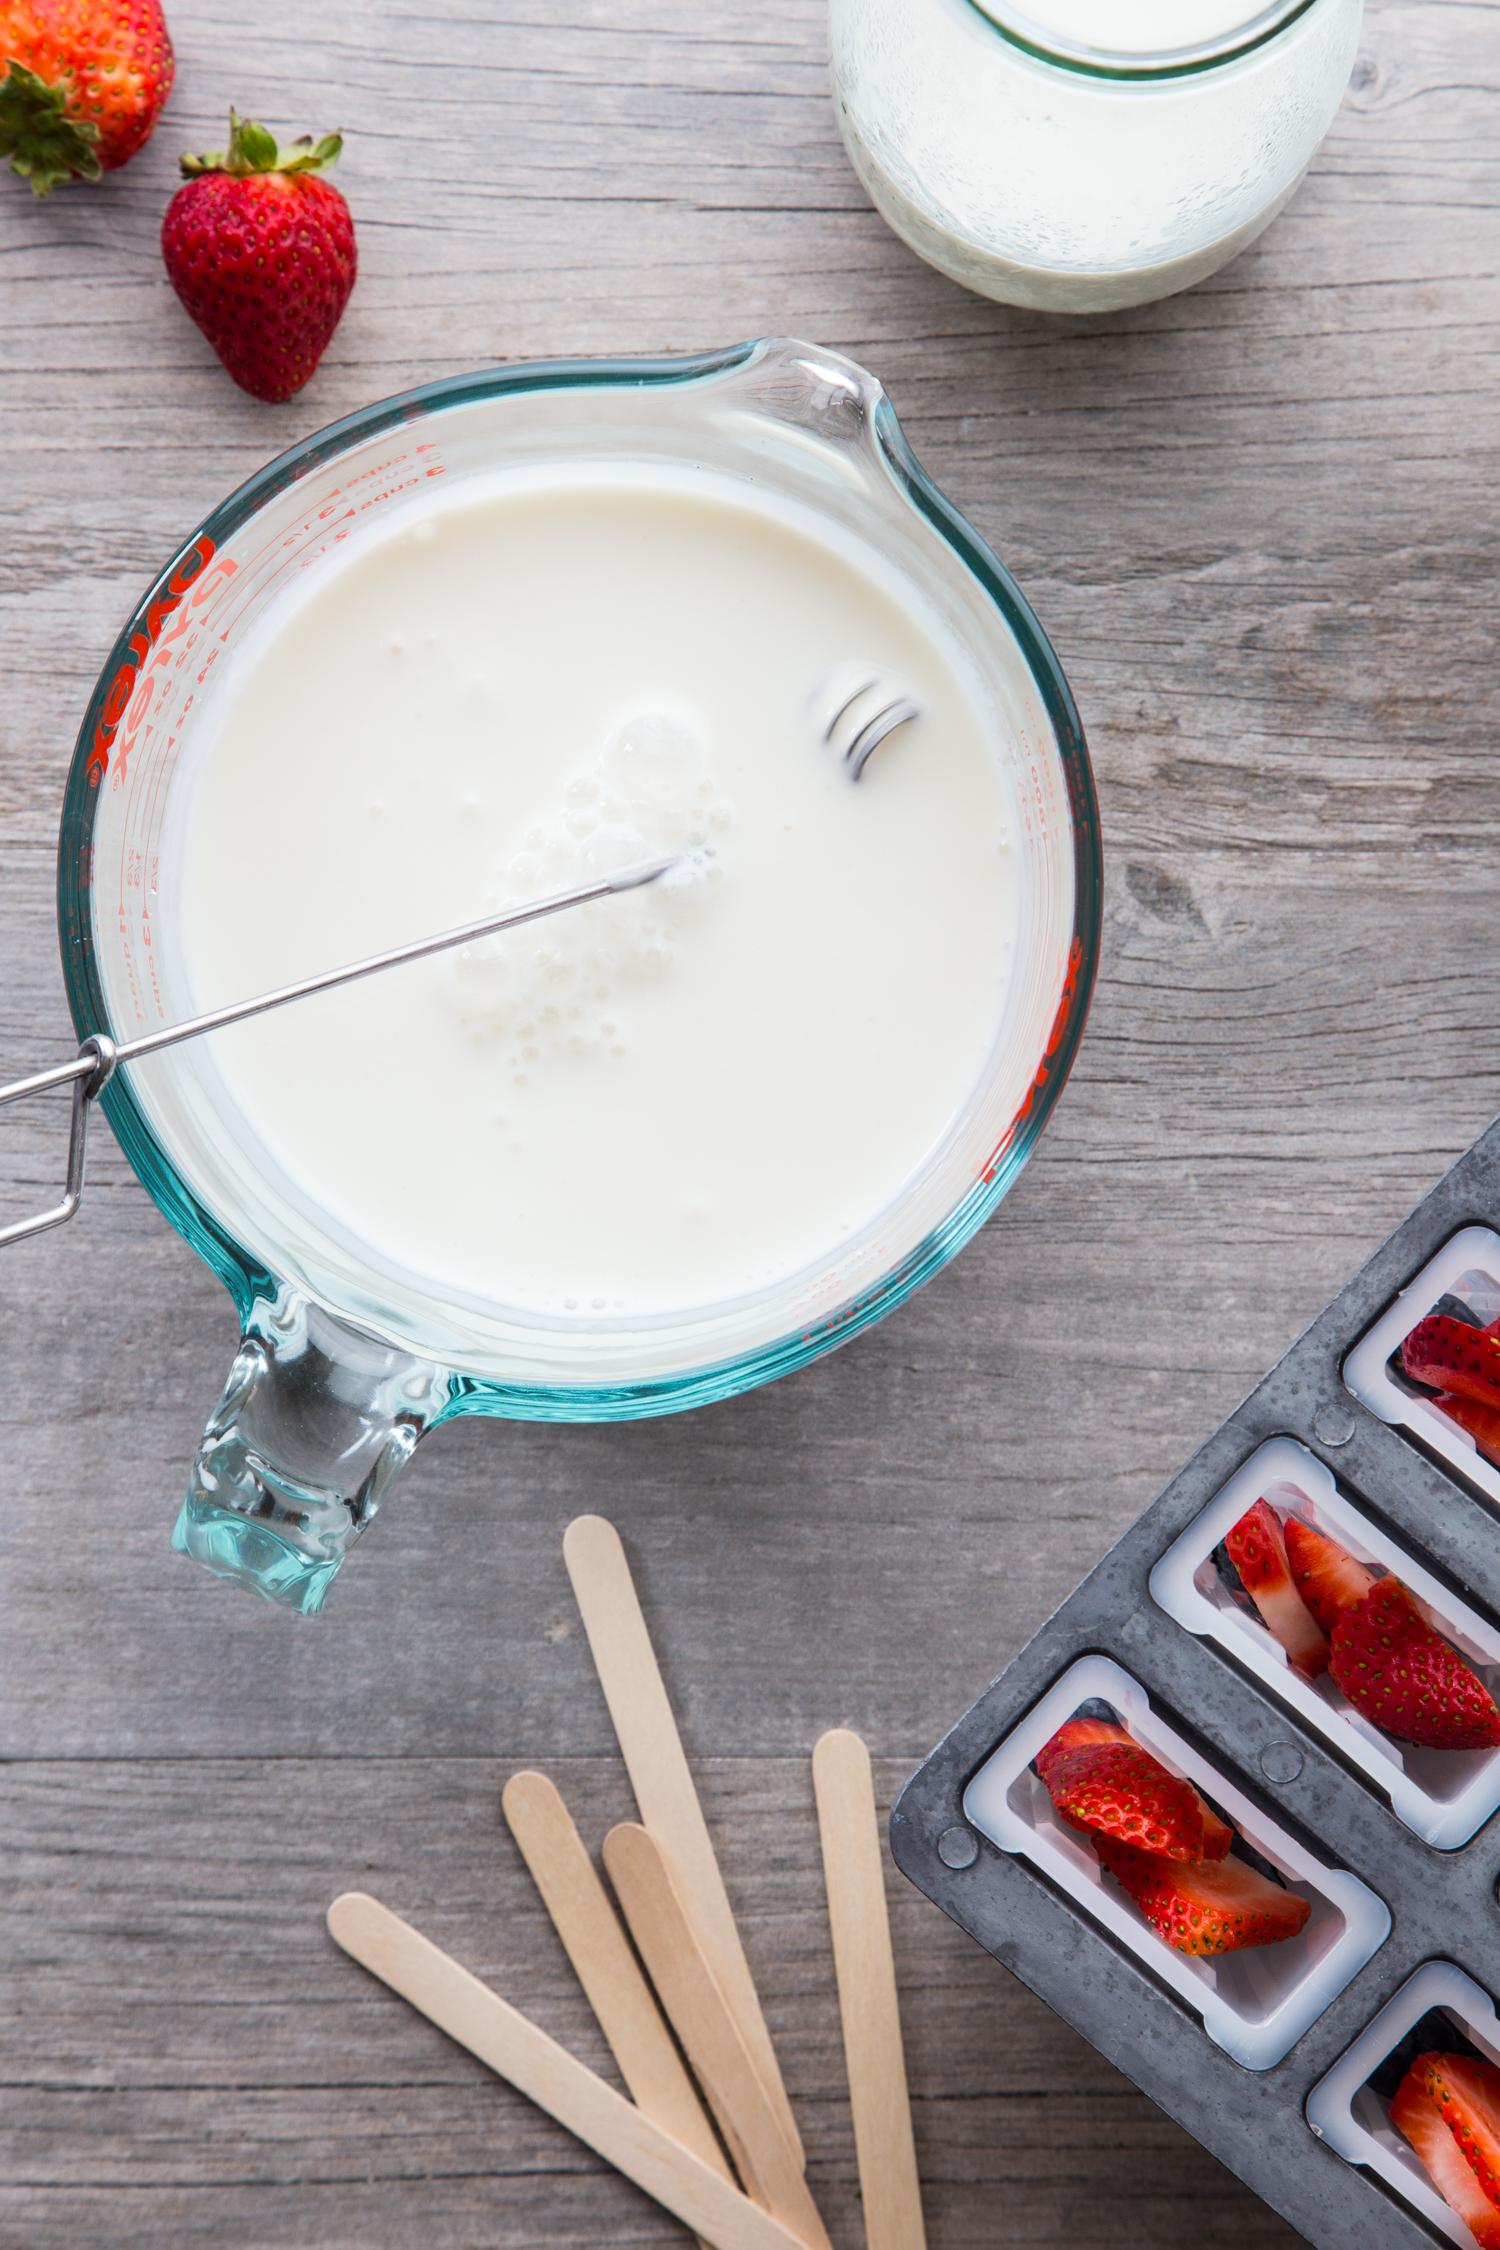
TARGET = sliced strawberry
(1452,1356)
(1415,2113)
(1217,1834)
(1257,1548)
(1481,1422)
(1397,1671)
(1204,1909)
(1117,1789)
(1329,1580)
(1120,1799)
(1078,1734)
(1467,2094)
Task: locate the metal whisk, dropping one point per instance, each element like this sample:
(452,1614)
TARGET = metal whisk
(98,1058)
(863,706)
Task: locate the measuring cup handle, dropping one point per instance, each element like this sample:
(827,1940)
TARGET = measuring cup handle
(315,1423)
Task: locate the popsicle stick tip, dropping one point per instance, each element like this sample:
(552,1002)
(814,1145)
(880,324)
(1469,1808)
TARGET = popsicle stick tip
(351,1912)
(840,1742)
(591,1538)
(527,1784)
(628,1836)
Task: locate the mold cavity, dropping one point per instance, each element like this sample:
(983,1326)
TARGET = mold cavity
(1439,2008)
(1444,1795)
(1460,1285)
(1254,2003)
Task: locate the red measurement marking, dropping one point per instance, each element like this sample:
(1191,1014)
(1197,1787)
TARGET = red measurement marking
(188,575)
(1044,1067)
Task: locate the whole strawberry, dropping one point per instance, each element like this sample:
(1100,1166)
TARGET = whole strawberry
(261,251)
(84,83)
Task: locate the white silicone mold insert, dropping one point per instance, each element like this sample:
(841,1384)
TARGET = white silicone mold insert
(1467,1267)
(1444,1795)
(1255,2004)
(1353,2119)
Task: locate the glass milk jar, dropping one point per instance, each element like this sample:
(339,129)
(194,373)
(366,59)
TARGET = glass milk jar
(1085,154)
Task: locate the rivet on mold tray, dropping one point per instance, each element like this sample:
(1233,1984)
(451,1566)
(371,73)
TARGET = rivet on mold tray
(1333,1424)
(958,1847)
(1281,1761)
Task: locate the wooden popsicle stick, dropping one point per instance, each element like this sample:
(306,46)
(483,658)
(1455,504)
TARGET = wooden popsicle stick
(515,2049)
(659,1775)
(607,1969)
(694,2000)
(888,2184)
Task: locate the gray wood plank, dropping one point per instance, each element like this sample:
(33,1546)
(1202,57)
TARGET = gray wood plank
(200,2059)
(1259,523)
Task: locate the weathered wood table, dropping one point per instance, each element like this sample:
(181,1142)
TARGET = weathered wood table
(1259,522)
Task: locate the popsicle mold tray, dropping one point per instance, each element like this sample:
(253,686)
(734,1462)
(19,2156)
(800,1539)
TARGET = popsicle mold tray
(1281,2059)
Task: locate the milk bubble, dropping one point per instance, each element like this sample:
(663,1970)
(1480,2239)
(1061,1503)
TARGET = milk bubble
(609,848)
(650,790)
(655,753)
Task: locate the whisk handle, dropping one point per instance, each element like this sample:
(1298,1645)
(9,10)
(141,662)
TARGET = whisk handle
(90,1072)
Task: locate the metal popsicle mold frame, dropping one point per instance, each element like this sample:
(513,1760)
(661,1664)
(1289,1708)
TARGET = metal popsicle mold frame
(1270,2073)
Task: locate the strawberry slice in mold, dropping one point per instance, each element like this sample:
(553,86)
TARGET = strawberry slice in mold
(1257,1548)
(1325,1574)
(1466,2092)
(1079,1734)
(1104,1782)
(1119,1790)
(1450,1355)
(1481,1422)
(1416,2114)
(1401,1675)
(1219,1907)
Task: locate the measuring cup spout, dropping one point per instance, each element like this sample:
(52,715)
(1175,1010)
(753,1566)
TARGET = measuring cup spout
(315,1423)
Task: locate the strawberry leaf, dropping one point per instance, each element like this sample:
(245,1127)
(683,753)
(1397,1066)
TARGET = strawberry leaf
(252,147)
(313,158)
(43,145)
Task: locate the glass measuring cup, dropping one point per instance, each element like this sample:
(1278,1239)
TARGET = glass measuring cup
(346,1358)
(1077,156)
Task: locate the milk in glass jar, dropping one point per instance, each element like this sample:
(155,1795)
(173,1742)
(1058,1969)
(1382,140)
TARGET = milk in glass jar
(1080,155)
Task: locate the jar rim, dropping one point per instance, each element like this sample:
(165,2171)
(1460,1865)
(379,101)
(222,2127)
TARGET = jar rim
(1050,42)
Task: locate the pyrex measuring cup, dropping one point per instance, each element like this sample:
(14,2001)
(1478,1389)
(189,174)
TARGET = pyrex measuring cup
(346,1358)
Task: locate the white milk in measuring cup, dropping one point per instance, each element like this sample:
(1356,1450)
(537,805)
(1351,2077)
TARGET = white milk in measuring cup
(663,1099)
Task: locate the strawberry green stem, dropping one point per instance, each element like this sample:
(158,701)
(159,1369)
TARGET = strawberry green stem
(253,148)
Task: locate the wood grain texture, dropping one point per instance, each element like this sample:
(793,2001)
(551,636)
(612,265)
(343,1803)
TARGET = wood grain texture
(1259,523)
